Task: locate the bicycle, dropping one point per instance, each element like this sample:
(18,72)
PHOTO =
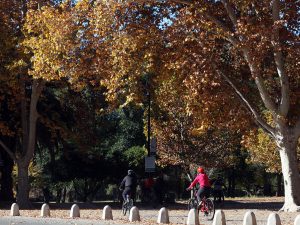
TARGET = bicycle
(205,207)
(127,205)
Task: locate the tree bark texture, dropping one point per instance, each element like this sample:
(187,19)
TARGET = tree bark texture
(23,185)
(289,163)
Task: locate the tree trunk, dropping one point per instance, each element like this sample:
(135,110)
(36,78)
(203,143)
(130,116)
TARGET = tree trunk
(6,193)
(289,163)
(23,185)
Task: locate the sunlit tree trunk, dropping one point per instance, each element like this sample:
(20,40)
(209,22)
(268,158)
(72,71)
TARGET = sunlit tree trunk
(288,154)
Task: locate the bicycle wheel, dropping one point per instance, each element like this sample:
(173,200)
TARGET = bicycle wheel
(192,203)
(130,204)
(125,208)
(210,209)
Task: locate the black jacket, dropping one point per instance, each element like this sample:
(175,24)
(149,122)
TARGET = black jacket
(129,181)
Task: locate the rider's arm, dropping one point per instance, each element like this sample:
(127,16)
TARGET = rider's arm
(122,184)
(193,183)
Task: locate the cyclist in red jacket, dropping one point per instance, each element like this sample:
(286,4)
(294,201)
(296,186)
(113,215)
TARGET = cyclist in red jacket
(204,183)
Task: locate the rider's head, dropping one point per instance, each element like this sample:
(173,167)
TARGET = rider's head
(200,170)
(130,172)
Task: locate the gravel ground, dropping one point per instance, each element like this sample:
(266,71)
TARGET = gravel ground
(234,210)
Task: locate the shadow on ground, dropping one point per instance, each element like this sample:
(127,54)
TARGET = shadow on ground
(182,205)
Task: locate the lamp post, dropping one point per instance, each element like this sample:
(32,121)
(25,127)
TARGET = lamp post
(149,122)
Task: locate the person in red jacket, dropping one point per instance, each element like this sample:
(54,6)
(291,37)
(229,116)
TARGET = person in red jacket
(204,183)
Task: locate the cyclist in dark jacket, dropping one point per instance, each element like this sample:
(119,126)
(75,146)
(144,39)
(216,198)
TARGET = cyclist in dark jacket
(128,185)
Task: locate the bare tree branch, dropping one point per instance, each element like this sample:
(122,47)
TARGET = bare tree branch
(260,84)
(230,12)
(221,25)
(9,152)
(257,117)
(278,57)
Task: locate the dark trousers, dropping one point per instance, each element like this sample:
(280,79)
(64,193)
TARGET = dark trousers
(128,191)
(203,191)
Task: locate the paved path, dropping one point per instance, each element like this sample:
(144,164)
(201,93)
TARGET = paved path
(20,220)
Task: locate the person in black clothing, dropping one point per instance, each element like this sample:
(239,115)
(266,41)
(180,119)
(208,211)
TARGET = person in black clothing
(218,185)
(159,188)
(128,185)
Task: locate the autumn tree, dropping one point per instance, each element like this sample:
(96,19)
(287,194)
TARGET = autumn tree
(259,39)
(55,40)
(246,49)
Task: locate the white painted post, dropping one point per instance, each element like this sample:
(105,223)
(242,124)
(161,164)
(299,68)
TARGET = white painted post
(274,219)
(193,218)
(14,210)
(219,218)
(75,211)
(249,218)
(134,214)
(163,216)
(297,220)
(45,211)
(107,213)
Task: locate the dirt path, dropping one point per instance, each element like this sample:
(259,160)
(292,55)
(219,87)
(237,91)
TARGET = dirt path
(234,210)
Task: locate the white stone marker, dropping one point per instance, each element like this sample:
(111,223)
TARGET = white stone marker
(45,211)
(274,219)
(14,210)
(297,220)
(163,216)
(75,211)
(107,213)
(134,214)
(193,218)
(219,218)
(249,218)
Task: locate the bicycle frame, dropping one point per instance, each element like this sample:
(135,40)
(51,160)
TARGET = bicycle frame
(205,206)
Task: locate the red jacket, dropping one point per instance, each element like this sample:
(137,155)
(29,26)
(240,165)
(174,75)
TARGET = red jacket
(202,179)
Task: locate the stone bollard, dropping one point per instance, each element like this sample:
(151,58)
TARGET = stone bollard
(134,214)
(274,219)
(45,211)
(107,213)
(163,216)
(193,218)
(219,218)
(75,211)
(249,218)
(297,220)
(14,210)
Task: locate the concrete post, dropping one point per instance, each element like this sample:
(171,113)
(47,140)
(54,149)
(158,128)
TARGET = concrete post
(45,211)
(219,218)
(249,219)
(193,218)
(75,211)
(107,213)
(163,216)
(14,210)
(274,219)
(134,214)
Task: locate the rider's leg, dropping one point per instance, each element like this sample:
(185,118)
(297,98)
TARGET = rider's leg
(125,193)
(200,193)
(124,196)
